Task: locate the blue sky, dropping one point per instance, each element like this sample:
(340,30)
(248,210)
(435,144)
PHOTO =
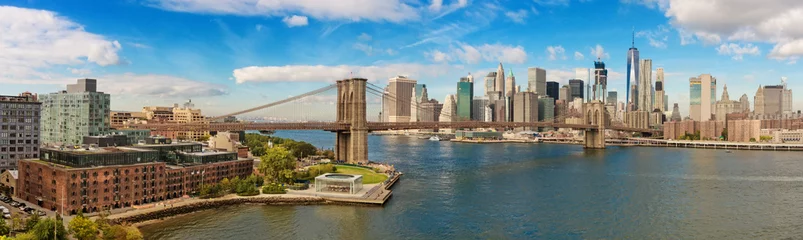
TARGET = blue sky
(230,55)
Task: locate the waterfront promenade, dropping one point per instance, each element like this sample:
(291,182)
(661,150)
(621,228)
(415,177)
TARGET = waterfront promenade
(705,144)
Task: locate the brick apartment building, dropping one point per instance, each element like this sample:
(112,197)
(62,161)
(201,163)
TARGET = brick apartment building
(91,179)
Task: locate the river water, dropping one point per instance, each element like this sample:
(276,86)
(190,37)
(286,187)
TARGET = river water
(543,191)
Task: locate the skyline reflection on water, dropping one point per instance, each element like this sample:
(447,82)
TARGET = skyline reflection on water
(525,191)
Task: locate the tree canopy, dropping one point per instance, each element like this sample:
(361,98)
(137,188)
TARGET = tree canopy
(277,165)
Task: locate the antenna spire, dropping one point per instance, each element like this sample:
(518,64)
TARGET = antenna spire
(633,41)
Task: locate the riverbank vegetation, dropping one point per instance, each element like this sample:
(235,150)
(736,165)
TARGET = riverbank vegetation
(80,227)
(242,187)
(259,145)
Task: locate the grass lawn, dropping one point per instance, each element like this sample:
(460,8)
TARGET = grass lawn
(368,175)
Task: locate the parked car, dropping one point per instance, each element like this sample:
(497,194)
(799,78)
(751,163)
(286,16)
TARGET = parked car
(40,213)
(15,204)
(7,216)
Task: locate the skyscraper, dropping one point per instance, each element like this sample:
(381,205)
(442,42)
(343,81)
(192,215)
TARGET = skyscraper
(612,98)
(465,97)
(68,116)
(576,86)
(525,107)
(565,93)
(676,114)
(536,81)
(490,83)
(448,112)
(553,90)
(400,91)
(644,98)
(745,103)
(600,80)
(632,71)
(19,138)
(659,90)
(702,91)
(786,101)
(499,82)
(510,85)
(478,108)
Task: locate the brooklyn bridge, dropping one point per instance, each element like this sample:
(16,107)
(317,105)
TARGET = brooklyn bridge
(351,125)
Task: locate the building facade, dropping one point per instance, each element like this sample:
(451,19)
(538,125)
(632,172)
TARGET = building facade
(19,129)
(68,116)
(660,104)
(400,90)
(703,90)
(465,99)
(546,109)
(478,107)
(525,107)
(92,180)
(576,87)
(536,81)
(644,102)
(553,90)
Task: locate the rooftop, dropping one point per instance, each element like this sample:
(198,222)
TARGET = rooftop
(97,150)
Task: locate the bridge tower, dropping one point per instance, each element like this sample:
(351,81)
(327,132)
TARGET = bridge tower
(352,145)
(595,114)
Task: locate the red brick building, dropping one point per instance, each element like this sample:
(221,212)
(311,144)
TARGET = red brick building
(90,180)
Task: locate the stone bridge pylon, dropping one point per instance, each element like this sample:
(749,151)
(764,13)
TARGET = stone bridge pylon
(352,145)
(595,114)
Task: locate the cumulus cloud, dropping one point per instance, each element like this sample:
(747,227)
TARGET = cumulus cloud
(579,56)
(33,40)
(556,52)
(295,21)
(656,38)
(80,71)
(368,50)
(438,56)
(712,22)
(364,37)
(350,10)
(323,73)
(737,51)
(599,52)
(157,85)
(487,52)
(517,16)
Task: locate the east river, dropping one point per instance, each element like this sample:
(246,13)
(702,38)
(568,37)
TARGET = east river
(536,191)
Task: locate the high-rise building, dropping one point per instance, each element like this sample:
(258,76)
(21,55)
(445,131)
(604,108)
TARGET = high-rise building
(725,106)
(773,99)
(786,101)
(703,90)
(490,83)
(510,85)
(419,88)
(19,132)
(565,93)
(68,116)
(633,72)
(478,106)
(758,101)
(414,104)
(499,108)
(576,86)
(660,104)
(644,102)
(553,90)
(600,80)
(499,82)
(400,91)
(745,103)
(666,102)
(546,109)
(613,98)
(430,111)
(465,97)
(449,111)
(525,107)
(676,114)
(536,81)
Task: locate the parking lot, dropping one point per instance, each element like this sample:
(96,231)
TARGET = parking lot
(9,206)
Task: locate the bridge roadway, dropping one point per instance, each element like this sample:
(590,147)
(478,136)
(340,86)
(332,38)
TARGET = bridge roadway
(372,126)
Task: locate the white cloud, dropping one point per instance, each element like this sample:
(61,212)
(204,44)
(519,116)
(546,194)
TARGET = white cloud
(80,71)
(295,21)
(436,5)
(579,56)
(438,56)
(712,22)
(656,38)
(322,73)
(517,16)
(736,50)
(259,27)
(599,52)
(350,10)
(368,50)
(34,40)
(390,51)
(556,52)
(364,37)
(129,84)
(487,52)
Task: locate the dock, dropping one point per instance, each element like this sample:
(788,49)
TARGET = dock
(376,195)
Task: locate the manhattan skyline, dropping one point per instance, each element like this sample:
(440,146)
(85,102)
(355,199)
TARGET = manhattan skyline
(159,52)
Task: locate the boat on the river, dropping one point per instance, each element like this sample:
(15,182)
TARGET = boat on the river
(434,138)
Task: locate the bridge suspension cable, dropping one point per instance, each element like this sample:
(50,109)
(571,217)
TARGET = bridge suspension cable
(290,99)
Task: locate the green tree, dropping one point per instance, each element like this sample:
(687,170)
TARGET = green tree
(203,138)
(82,228)
(274,161)
(45,228)
(725,134)
(114,232)
(17,222)
(299,149)
(31,221)
(4,229)
(225,185)
(133,233)
(26,236)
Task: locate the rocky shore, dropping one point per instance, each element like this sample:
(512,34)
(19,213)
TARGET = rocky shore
(166,212)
